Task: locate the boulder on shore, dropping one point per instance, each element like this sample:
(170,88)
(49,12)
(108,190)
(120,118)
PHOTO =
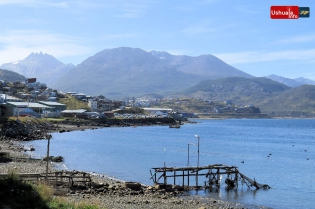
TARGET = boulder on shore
(133,185)
(57,159)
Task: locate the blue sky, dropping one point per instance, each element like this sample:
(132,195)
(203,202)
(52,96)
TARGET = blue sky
(240,33)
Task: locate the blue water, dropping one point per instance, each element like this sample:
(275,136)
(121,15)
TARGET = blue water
(129,153)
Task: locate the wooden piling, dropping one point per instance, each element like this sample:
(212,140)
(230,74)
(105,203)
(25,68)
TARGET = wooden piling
(210,172)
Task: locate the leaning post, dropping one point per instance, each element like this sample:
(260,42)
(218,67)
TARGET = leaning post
(48,136)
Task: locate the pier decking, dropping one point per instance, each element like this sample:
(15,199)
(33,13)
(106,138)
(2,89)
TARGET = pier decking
(70,178)
(212,174)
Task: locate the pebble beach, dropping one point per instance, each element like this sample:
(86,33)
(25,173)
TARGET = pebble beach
(104,191)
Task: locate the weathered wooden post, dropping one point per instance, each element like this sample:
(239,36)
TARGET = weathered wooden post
(197,162)
(174,176)
(218,177)
(155,175)
(48,136)
(165,180)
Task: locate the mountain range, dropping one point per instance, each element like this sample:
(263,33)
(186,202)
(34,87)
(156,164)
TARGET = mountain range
(124,71)
(133,72)
(291,82)
(46,68)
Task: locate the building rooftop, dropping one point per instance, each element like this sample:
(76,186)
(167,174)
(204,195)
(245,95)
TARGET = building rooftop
(74,111)
(13,99)
(52,103)
(28,104)
(157,109)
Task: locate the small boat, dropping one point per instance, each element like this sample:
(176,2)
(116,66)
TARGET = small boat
(174,126)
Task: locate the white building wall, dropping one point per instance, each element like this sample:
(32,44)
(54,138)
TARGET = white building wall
(92,104)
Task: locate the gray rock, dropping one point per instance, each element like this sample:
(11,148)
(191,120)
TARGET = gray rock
(133,185)
(57,159)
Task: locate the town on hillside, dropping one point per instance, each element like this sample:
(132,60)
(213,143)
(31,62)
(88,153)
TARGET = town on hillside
(31,98)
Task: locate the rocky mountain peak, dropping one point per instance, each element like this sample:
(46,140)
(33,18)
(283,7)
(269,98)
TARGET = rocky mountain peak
(46,68)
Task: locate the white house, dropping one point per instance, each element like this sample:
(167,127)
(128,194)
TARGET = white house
(92,104)
(158,111)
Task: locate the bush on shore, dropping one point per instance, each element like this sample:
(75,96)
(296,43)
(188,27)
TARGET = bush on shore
(18,194)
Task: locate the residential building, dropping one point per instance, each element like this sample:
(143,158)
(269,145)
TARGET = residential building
(12,107)
(92,103)
(80,113)
(55,106)
(157,111)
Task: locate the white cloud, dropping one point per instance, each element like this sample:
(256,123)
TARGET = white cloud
(119,36)
(18,44)
(248,9)
(299,39)
(203,2)
(198,29)
(203,26)
(74,4)
(307,55)
(177,51)
(133,9)
(34,3)
(4,2)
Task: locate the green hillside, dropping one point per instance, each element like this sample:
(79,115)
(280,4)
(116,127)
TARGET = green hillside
(74,104)
(10,76)
(270,96)
(299,101)
(238,84)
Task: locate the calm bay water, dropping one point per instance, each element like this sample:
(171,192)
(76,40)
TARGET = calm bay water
(129,153)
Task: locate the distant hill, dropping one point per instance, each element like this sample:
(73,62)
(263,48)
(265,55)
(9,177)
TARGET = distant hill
(46,68)
(241,91)
(11,76)
(286,81)
(305,81)
(294,102)
(238,84)
(291,82)
(150,97)
(270,96)
(124,71)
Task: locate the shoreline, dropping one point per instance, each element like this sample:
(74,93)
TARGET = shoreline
(114,194)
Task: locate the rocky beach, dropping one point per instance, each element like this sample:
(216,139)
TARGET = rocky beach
(102,190)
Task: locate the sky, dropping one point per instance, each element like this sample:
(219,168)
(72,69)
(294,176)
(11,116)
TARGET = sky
(241,33)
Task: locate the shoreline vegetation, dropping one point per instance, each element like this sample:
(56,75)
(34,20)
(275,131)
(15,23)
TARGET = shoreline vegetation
(103,192)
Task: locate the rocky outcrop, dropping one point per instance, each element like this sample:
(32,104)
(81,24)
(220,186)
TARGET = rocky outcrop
(57,159)
(38,129)
(107,122)
(25,131)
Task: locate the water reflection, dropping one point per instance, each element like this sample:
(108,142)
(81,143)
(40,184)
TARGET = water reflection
(226,193)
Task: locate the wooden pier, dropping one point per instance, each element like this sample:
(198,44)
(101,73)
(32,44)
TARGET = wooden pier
(211,174)
(68,178)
